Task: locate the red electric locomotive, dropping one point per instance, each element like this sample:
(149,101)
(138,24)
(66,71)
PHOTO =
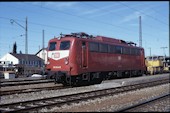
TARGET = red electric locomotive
(79,58)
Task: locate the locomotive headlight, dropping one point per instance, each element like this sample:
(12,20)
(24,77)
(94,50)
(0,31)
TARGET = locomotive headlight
(66,61)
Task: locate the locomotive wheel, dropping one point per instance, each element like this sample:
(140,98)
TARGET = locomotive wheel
(77,81)
(99,80)
(140,73)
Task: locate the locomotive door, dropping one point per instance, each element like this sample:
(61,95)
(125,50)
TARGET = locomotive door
(84,54)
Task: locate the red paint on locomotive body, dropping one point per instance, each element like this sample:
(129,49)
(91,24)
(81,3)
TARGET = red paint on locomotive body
(90,55)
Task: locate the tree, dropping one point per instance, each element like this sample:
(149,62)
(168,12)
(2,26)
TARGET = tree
(14,48)
(20,52)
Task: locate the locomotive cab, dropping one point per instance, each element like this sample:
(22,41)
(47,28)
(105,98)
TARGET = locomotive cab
(58,56)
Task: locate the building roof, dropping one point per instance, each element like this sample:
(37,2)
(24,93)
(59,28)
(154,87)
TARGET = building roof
(41,50)
(23,56)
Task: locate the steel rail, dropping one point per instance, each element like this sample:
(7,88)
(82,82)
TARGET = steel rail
(65,99)
(30,90)
(25,83)
(20,80)
(142,103)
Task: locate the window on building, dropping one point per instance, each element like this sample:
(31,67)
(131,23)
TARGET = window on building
(20,61)
(40,63)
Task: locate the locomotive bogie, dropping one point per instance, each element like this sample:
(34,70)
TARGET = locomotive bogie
(93,77)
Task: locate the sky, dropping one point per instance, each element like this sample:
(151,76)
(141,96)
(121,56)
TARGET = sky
(118,20)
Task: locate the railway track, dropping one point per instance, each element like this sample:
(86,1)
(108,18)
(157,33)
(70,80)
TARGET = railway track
(72,98)
(4,84)
(23,84)
(21,79)
(27,81)
(143,104)
(30,90)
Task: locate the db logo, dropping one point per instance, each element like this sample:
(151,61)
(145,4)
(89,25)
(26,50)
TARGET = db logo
(56,55)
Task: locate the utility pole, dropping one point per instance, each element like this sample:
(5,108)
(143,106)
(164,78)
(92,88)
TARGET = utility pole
(140,32)
(43,43)
(43,53)
(26,34)
(26,40)
(164,50)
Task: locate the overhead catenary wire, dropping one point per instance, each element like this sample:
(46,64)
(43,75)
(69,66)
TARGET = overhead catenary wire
(76,15)
(39,24)
(82,18)
(96,21)
(50,26)
(148,25)
(143,13)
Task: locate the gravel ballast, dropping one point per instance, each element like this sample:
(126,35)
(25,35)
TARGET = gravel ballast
(52,93)
(115,102)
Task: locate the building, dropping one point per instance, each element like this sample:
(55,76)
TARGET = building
(22,59)
(40,54)
(24,63)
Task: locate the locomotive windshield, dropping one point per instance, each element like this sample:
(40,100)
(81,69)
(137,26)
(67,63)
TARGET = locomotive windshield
(52,46)
(65,45)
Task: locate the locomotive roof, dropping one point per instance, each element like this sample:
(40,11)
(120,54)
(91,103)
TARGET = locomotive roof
(83,35)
